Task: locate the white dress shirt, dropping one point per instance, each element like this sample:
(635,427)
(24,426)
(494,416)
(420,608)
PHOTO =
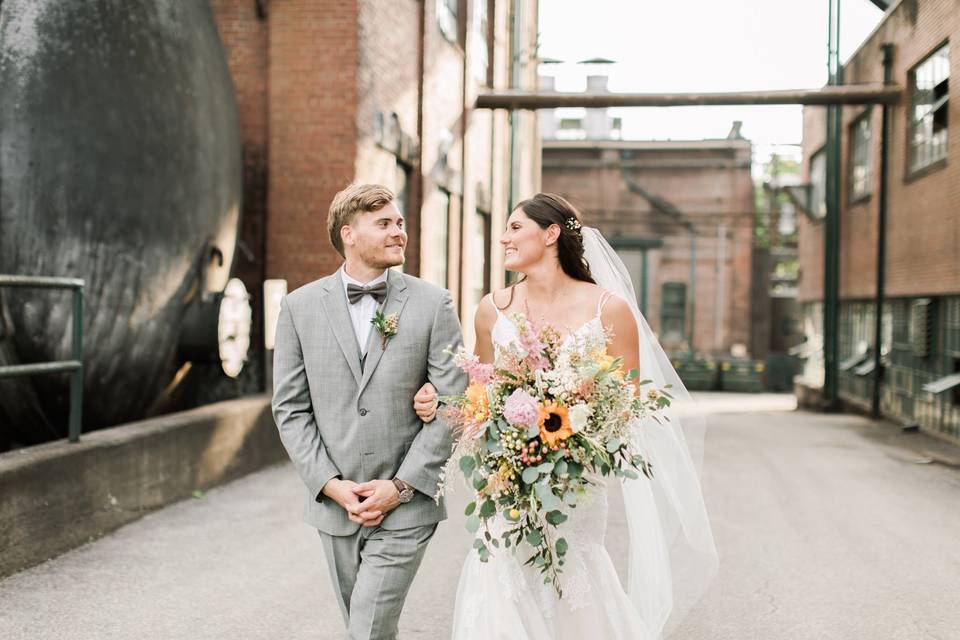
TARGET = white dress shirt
(362,312)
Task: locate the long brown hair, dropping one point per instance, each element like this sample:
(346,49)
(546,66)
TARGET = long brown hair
(548,209)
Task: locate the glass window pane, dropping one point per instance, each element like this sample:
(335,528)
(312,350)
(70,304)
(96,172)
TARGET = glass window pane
(929,98)
(861,157)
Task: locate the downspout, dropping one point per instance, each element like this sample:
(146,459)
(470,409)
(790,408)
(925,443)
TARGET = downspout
(669,209)
(515,25)
(881,236)
(693,284)
(465,115)
(831,257)
(414,220)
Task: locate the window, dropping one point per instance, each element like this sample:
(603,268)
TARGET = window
(448,19)
(480,251)
(436,250)
(571,129)
(861,157)
(401,192)
(929,84)
(482,51)
(633,260)
(402,187)
(673,311)
(818,184)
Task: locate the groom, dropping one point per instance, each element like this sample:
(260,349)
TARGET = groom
(351,351)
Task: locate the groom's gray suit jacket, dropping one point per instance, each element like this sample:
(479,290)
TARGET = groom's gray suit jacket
(336,419)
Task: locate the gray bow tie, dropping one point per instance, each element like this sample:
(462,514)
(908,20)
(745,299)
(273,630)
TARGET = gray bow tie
(356,292)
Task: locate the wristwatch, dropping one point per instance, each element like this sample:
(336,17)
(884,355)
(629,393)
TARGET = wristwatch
(406,491)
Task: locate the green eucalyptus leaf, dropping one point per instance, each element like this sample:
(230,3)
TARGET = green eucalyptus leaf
(546,467)
(467,465)
(488,509)
(546,496)
(530,475)
(470,509)
(556,517)
(473,523)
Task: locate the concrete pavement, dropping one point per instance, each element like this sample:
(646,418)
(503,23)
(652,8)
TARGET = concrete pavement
(828,527)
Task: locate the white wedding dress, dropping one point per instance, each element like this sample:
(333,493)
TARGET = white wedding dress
(672,557)
(503,599)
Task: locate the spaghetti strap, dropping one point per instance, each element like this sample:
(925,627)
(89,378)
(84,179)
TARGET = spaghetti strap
(601,303)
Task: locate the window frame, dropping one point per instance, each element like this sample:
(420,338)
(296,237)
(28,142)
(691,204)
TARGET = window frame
(449,16)
(681,288)
(854,197)
(819,153)
(912,170)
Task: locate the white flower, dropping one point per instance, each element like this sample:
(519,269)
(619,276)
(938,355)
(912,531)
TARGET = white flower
(579,415)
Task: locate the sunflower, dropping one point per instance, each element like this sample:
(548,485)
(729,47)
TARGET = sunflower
(554,423)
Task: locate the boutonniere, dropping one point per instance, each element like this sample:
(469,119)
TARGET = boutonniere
(386,325)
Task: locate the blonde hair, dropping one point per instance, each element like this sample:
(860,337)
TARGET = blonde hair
(351,202)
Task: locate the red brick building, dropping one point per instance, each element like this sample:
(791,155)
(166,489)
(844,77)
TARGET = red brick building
(920,344)
(331,92)
(665,205)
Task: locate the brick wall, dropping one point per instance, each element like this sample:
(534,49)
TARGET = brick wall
(388,80)
(244,37)
(709,182)
(315,77)
(923,225)
(313,60)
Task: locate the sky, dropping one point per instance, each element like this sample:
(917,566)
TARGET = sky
(700,45)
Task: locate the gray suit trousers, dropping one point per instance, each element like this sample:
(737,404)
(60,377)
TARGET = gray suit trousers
(371,571)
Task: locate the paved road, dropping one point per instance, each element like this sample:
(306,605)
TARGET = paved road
(828,528)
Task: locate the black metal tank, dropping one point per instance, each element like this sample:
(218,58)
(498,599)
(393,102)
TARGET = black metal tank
(120,163)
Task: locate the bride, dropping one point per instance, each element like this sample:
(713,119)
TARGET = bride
(574,281)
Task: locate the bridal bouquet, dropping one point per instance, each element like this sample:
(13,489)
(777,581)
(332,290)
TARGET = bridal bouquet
(536,429)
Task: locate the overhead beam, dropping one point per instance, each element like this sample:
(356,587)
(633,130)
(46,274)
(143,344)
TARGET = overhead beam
(830,95)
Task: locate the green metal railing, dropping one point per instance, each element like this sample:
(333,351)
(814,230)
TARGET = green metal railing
(74,366)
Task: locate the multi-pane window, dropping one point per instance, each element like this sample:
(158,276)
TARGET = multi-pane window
(448,19)
(435,255)
(482,38)
(480,270)
(928,116)
(402,187)
(861,157)
(673,311)
(818,184)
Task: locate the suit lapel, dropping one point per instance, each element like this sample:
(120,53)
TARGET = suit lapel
(396,299)
(335,306)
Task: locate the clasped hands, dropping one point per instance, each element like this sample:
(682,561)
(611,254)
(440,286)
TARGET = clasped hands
(368,503)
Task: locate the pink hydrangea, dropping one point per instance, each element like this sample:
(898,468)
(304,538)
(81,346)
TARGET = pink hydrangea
(521,409)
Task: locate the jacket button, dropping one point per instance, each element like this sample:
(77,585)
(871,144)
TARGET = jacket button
(363,412)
